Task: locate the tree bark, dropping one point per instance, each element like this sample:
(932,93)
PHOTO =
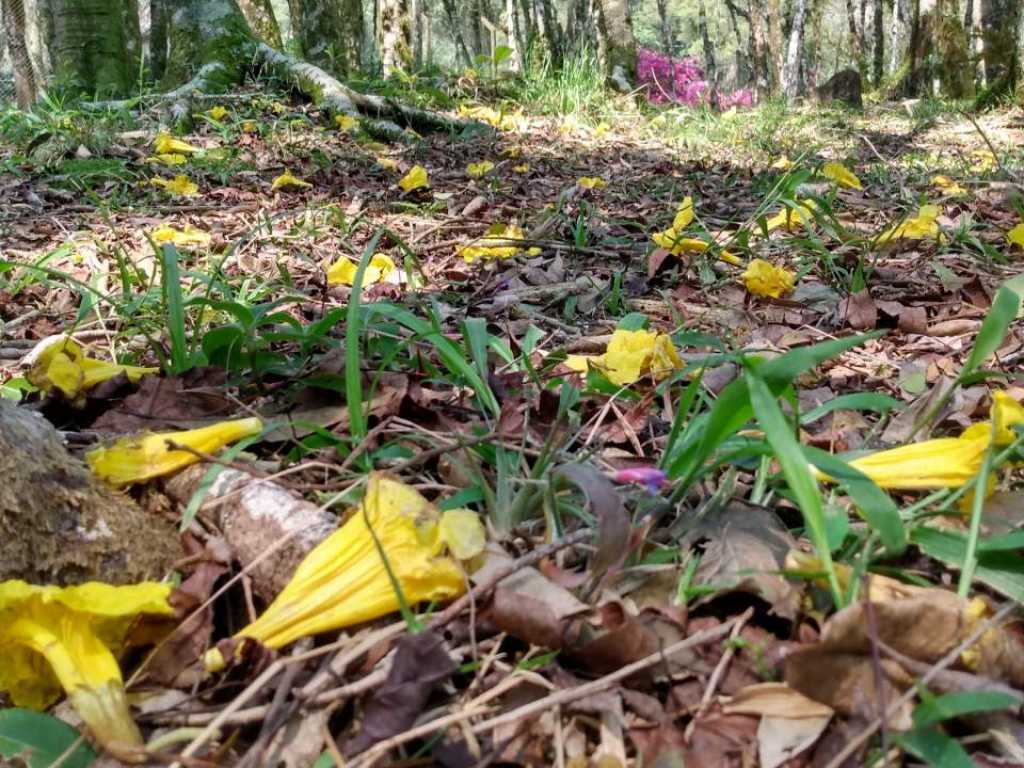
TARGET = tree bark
(953,48)
(856,39)
(878,47)
(617,44)
(515,35)
(793,85)
(455,25)
(758,50)
(551,32)
(1000,23)
(394,36)
(899,22)
(774,51)
(262,22)
(710,64)
(90,45)
(21,63)
(664,17)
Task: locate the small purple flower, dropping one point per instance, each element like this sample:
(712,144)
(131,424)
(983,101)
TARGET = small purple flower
(651,478)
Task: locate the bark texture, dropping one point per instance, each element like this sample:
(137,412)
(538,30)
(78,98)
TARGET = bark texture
(1000,24)
(665,20)
(878,44)
(13,12)
(955,71)
(617,44)
(262,22)
(394,35)
(59,525)
(710,63)
(92,44)
(329,33)
(792,73)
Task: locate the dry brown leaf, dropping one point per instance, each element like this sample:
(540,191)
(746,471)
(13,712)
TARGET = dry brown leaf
(775,700)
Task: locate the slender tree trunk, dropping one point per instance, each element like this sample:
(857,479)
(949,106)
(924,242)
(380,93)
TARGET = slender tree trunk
(476,28)
(91,43)
(21,63)
(394,37)
(515,35)
(1000,24)
(878,47)
(710,65)
(919,79)
(774,52)
(973,25)
(814,54)
(664,17)
(455,24)
(899,23)
(552,32)
(758,49)
(329,32)
(743,74)
(617,44)
(792,82)
(856,38)
(260,16)
(954,51)
(416,33)
(159,18)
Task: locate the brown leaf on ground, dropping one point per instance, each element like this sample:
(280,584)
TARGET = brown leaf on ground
(179,402)
(858,311)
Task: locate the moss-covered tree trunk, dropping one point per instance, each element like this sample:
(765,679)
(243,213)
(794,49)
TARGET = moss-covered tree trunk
(775,52)
(758,48)
(13,12)
(394,31)
(206,38)
(616,42)
(955,72)
(329,32)
(93,45)
(263,23)
(1000,26)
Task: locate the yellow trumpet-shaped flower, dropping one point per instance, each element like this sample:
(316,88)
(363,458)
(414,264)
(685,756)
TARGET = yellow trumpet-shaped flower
(345,123)
(791,218)
(673,241)
(415,179)
(343,271)
(782,164)
(591,182)
(179,185)
(841,175)
(165,233)
(921,227)
(54,638)
(174,158)
(521,168)
(479,170)
(287,180)
(63,366)
(630,355)
(1016,235)
(498,243)
(138,458)
(217,113)
(945,462)
(762,278)
(684,215)
(165,144)
(947,186)
(344,580)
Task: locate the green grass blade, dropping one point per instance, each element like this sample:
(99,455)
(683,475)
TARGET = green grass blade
(353,348)
(174,308)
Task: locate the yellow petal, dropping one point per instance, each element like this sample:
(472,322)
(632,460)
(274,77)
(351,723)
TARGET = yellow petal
(461,531)
(165,144)
(345,122)
(763,278)
(495,244)
(217,113)
(343,271)
(165,233)
(287,180)
(921,227)
(684,215)
(416,178)
(945,462)
(179,185)
(63,366)
(249,126)
(591,182)
(479,170)
(947,185)
(387,163)
(1016,235)
(169,159)
(343,581)
(782,164)
(841,175)
(55,638)
(523,168)
(1006,413)
(136,459)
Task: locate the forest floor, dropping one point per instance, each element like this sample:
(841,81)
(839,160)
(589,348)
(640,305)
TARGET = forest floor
(464,353)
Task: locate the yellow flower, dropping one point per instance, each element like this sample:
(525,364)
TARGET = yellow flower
(217,113)
(673,242)
(165,144)
(791,218)
(511,152)
(287,180)
(165,233)
(138,458)
(944,462)
(492,117)
(782,164)
(684,214)
(416,178)
(841,175)
(947,185)
(920,227)
(345,122)
(591,182)
(1016,235)
(344,580)
(62,365)
(494,244)
(762,278)
(630,355)
(984,160)
(523,168)
(179,185)
(387,163)
(601,129)
(169,159)
(479,170)
(249,126)
(68,638)
(343,271)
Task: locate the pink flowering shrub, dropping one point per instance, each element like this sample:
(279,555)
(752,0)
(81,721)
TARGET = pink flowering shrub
(682,81)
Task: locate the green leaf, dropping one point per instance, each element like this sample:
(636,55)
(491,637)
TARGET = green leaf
(39,740)
(353,346)
(993,330)
(959,703)
(935,747)
(1004,543)
(859,401)
(1002,571)
(174,307)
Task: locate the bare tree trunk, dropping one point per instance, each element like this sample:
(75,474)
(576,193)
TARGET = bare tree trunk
(1000,23)
(476,10)
(953,47)
(416,33)
(878,47)
(329,32)
(91,44)
(710,65)
(793,85)
(617,44)
(551,32)
(975,36)
(394,36)
(743,73)
(856,38)
(919,78)
(774,52)
(261,20)
(515,34)
(899,22)
(758,48)
(21,62)
(667,43)
(455,25)
(814,54)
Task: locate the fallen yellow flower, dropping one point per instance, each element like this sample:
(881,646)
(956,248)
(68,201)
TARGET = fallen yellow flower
(345,122)
(63,366)
(497,243)
(491,116)
(630,355)
(673,242)
(782,164)
(947,185)
(415,179)
(944,462)
(920,227)
(68,638)
(169,159)
(179,185)
(165,233)
(1016,235)
(138,458)
(479,170)
(841,175)
(984,160)
(344,580)
(601,129)
(591,182)
(249,126)
(523,168)
(791,218)
(287,180)
(684,214)
(387,163)
(217,113)
(762,278)
(165,144)
(343,271)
